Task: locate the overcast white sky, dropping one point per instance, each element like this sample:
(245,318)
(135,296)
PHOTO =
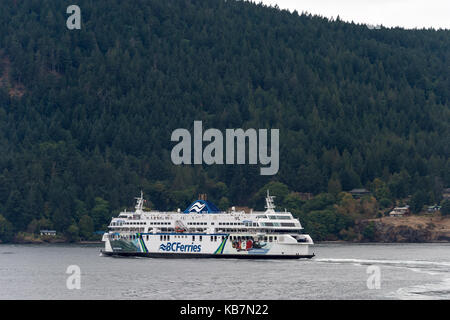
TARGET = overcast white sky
(389,13)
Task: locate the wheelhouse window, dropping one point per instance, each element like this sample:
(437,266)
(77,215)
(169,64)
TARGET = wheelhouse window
(287,224)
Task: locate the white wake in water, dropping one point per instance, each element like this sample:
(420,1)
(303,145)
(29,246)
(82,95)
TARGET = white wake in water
(430,291)
(438,265)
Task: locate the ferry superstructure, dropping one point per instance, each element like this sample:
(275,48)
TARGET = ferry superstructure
(203,231)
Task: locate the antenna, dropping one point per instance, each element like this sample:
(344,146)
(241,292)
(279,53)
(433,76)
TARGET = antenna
(269,201)
(139,202)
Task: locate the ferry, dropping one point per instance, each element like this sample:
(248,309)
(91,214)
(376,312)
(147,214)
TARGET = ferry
(203,231)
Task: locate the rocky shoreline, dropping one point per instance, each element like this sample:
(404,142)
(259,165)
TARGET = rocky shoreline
(417,229)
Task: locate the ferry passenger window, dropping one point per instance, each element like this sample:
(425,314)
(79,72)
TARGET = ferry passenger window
(200,238)
(193,238)
(270,239)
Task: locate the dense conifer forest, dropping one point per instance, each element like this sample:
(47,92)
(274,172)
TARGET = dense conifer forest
(86,115)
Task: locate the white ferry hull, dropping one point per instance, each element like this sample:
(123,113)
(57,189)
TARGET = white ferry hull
(201,246)
(203,255)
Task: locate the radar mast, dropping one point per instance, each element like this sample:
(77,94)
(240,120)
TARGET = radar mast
(139,203)
(269,202)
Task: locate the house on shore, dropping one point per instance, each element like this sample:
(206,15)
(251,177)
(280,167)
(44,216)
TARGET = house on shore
(399,211)
(433,209)
(304,195)
(47,232)
(358,193)
(446,194)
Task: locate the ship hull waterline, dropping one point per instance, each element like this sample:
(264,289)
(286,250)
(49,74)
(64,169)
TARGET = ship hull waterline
(203,255)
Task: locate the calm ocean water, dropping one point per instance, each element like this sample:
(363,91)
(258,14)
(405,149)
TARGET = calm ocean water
(339,271)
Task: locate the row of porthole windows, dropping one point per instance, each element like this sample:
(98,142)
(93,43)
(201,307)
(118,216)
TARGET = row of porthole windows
(230,223)
(166,237)
(131,237)
(138,223)
(232,230)
(265,238)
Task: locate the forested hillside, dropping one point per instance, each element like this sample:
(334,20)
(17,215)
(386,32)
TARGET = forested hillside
(86,115)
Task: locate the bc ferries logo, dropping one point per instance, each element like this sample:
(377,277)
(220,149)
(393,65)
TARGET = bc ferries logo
(197,207)
(178,247)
